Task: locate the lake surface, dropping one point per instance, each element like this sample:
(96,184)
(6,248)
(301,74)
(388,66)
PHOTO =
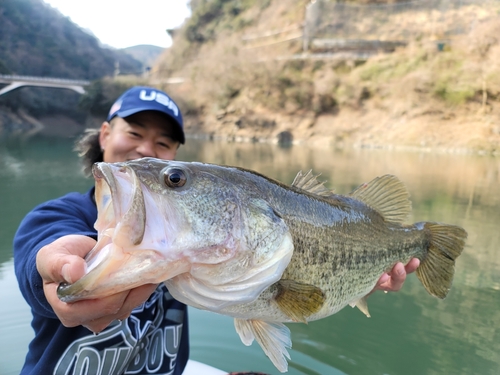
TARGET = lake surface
(410,332)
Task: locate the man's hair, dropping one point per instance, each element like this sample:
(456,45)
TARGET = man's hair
(89,149)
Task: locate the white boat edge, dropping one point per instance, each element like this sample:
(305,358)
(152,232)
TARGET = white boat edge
(197,368)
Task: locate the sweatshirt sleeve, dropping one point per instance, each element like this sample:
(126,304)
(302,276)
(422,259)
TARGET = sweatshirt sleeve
(72,214)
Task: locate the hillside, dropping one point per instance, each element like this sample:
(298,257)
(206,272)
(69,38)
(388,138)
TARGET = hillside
(440,90)
(37,40)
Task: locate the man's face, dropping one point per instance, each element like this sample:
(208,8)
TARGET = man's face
(145,134)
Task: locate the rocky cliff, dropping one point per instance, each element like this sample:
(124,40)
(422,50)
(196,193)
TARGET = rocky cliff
(246,76)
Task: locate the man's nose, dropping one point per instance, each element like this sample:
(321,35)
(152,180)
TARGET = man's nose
(146,148)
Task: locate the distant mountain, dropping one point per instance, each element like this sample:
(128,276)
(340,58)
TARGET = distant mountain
(36,39)
(145,53)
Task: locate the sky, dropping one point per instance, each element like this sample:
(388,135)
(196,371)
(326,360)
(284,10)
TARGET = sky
(126,23)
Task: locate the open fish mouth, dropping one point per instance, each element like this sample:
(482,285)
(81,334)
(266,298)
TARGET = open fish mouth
(130,209)
(121,225)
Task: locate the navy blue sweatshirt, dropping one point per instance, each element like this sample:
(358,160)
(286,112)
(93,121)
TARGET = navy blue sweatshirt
(153,340)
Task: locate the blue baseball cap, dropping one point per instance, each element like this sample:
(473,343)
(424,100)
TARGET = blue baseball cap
(141,98)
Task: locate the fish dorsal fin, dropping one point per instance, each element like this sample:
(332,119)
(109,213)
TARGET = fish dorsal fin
(387,195)
(298,301)
(310,183)
(362,305)
(274,339)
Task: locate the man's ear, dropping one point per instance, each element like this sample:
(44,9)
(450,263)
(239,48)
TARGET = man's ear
(104,134)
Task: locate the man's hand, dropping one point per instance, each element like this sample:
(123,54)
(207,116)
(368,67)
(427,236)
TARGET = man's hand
(63,261)
(393,281)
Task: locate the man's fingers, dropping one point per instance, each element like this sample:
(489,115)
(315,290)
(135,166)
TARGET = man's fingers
(97,314)
(133,299)
(398,276)
(59,267)
(137,296)
(74,270)
(383,280)
(91,313)
(63,259)
(99,325)
(66,268)
(394,280)
(412,265)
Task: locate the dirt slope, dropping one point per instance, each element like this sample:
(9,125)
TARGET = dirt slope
(417,97)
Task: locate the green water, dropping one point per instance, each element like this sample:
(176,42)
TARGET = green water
(409,332)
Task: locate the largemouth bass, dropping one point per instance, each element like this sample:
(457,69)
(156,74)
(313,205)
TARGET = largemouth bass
(235,242)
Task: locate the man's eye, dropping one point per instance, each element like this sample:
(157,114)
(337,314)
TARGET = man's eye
(164,145)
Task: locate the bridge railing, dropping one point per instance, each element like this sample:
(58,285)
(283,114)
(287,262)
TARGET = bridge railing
(7,78)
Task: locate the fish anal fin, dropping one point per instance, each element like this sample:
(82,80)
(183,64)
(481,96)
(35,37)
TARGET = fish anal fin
(362,305)
(297,300)
(309,182)
(387,195)
(244,329)
(274,339)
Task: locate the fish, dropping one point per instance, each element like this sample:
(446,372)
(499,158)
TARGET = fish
(238,243)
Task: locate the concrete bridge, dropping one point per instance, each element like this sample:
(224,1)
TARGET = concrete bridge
(13,82)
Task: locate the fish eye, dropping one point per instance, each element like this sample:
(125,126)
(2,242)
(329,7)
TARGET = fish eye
(175,178)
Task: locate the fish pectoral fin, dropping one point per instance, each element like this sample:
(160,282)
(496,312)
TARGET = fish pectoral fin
(297,300)
(274,339)
(362,305)
(387,195)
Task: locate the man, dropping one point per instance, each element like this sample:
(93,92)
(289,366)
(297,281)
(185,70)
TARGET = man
(141,331)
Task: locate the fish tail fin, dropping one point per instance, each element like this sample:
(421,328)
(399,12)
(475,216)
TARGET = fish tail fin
(274,338)
(437,269)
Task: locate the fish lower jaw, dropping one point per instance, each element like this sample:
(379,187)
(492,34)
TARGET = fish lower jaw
(119,271)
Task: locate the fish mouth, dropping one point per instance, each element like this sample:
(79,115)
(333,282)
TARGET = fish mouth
(121,223)
(132,213)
